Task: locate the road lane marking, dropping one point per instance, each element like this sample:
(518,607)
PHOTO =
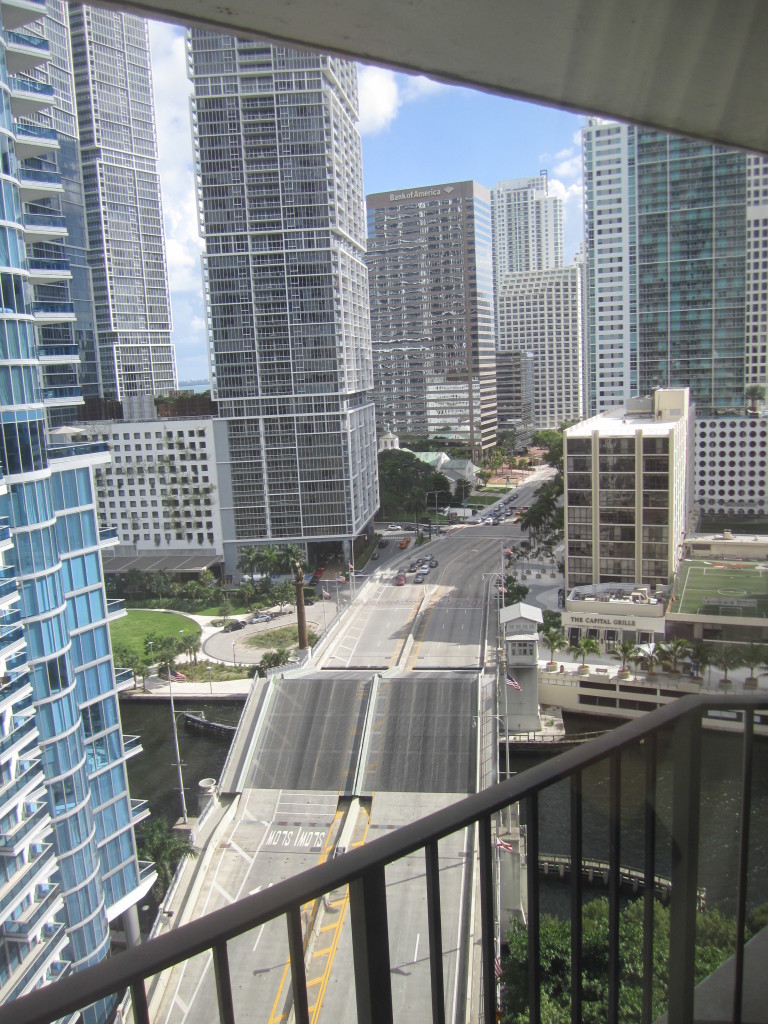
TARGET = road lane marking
(246,857)
(222,891)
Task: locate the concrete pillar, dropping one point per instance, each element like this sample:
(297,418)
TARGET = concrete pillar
(347,548)
(131,926)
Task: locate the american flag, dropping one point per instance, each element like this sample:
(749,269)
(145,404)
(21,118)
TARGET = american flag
(511,681)
(497,967)
(351,566)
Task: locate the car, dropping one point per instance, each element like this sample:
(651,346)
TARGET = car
(488,521)
(263,617)
(375,556)
(394,526)
(412,567)
(400,580)
(321,567)
(418,579)
(433,563)
(233,626)
(424,569)
(383,543)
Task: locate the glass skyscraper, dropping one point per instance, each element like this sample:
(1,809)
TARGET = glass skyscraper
(279,174)
(431,281)
(51,521)
(673,232)
(121,187)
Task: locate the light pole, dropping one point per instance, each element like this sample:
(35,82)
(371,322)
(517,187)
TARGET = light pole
(176,746)
(234,660)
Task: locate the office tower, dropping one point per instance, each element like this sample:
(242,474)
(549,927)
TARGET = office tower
(673,231)
(527,228)
(514,389)
(540,312)
(279,169)
(431,281)
(628,491)
(52,521)
(126,240)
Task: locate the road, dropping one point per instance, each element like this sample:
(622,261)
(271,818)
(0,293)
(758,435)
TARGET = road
(379,732)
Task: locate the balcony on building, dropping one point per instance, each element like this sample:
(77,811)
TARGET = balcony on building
(47,271)
(124,679)
(139,811)
(44,963)
(132,745)
(57,352)
(108,537)
(24,51)
(34,139)
(44,227)
(19,737)
(42,908)
(115,609)
(29,829)
(16,13)
(6,541)
(62,396)
(35,184)
(14,688)
(28,97)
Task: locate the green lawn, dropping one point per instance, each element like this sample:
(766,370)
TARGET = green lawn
(131,630)
(715,587)
(270,639)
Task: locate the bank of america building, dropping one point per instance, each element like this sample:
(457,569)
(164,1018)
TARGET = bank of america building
(280,191)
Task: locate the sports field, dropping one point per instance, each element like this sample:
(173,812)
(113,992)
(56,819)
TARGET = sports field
(721,588)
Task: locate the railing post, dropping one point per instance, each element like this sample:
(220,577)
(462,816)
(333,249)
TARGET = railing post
(649,873)
(370,947)
(686,796)
(298,974)
(435,926)
(576,896)
(486,918)
(741,898)
(223,983)
(534,939)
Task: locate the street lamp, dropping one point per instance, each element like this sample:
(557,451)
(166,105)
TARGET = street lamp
(176,746)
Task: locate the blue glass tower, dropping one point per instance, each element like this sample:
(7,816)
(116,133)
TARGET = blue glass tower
(52,519)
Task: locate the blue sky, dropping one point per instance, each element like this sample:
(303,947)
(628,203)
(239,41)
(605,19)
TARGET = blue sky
(415,132)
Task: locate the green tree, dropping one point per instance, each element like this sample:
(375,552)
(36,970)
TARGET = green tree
(190,645)
(284,592)
(552,440)
(273,659)
(652,655)
(674,650)
(554,640)
(701,656)
(752,655)
(161,649)
(157,842)
(726,659)
(753,394)
(624,651)
(514,591)
(583,647)
(552,620)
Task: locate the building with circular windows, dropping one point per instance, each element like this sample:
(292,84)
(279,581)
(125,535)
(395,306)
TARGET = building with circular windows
(732,465)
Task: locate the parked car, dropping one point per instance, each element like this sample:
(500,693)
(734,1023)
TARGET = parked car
(383,543)
(233,626)
(400,580)
(263,617)
(394,526)
(418,579)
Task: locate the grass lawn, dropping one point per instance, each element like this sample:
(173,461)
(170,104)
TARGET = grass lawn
(131,630)
(717,587)
(200,673)
(283,636)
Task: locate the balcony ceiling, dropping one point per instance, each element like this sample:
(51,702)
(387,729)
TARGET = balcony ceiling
(697,67)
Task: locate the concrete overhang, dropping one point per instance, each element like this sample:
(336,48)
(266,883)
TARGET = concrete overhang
(696,67)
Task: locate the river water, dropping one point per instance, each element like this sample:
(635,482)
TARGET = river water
(153,776)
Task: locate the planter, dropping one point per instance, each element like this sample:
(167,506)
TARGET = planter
(624,673)
(725,684)
(584,670)
(750,683)
(552,666)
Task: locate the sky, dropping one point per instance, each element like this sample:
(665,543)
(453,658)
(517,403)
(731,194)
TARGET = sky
(415,132)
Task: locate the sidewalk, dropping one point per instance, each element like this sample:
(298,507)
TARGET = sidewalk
(158,689)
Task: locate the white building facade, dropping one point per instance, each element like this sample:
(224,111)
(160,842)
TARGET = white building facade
(732,465)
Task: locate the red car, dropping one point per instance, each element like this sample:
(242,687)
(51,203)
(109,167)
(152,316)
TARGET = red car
(400,581)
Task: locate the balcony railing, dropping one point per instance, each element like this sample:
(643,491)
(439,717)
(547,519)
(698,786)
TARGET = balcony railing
(363,870)
(69,451)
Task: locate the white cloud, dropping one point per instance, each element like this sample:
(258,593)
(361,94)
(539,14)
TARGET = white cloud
(382,93)
(570,167)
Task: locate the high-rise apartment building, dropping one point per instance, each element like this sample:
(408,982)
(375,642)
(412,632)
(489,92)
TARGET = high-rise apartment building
(539,311)
(51,519)
(279,174)
(431,281)
(674,242)
(629,492)
(121,184)
(527,228)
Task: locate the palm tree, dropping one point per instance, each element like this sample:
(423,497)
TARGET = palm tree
(754,393)
(625,651)
(555,640)
(161,844)
(273,659)
(701,656)
(584,645)
(753,655)
(727,658)
(675,649)
(652,655)
(296,565)
(190,644)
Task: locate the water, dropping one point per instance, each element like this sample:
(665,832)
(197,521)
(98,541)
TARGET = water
(153,775)
(719,825)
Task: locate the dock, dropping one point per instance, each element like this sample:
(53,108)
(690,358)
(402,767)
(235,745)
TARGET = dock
(199,723)
(596,872)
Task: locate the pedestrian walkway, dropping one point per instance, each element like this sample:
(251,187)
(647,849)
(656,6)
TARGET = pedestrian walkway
(156,688)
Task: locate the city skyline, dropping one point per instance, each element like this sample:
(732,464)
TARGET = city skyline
(410,128)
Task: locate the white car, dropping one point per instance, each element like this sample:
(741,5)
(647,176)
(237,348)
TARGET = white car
(394,526)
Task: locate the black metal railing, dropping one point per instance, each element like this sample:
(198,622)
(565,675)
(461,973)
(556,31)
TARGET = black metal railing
(363,869)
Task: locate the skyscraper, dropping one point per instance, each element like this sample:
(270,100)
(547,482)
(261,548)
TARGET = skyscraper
(126,240)
(431,281)
(279,168)
(538,299)
(673,232)
(51,519)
